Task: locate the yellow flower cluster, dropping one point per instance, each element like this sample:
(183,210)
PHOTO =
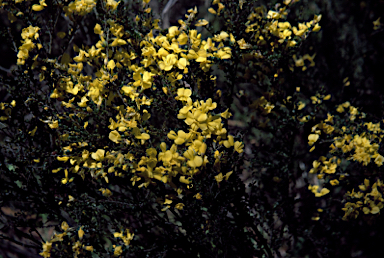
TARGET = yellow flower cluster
(7,107)
(284,31)
(220,7)
(376,24)
(321,127)
(347,144)
(111,5)
(318,98)
(352,110)
(40,6)
(368,199)
(167,55)
(315,189)
(144,58)
(299,62)
(28,34)
(77,242)
(126,238)
(80,7)
(264,105)
(364,150)
(324,166)
(202,125)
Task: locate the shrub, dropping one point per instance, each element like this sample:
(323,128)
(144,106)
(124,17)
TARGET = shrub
(117,133)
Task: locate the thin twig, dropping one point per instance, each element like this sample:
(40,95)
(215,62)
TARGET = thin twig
(50,39)
(17,242)
(13,41)
(5,69)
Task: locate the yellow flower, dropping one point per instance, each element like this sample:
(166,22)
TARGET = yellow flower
(98,155)
(89,248)
(118,42)
(202,56)
(179,206)
(377,24)
(39,7)
(379,160)
(243,45)
(199,146)
(201,22)
(185,180)
(54,124)
(180,138)
(127,239)
(239,146)
(143,79)
(47,246)
(182,63)
(229,143)
(66,180)
(183,94)
(193,159)
(32,133)
(219,178)
(223,53)
(221,7)
(334,182)
(30,32)
(111,65)
(316,27)
(167,63)
(241,2)
(105,192)
(118,250)
(81,7)
(63,158)
(314,188)
(327,97)
(226,176)
(226,114)
(80,233)
(273,15)
(115,136)
(97,29)
(312,138)
(300,105)
(83,102)
(340,109)
(375,210)
(211,10)
(112,4)
(139,135)
(64,226)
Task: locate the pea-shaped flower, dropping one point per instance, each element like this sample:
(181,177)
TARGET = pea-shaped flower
(179,138)
(98,155)
(193,159)
(312,138)
(183,94)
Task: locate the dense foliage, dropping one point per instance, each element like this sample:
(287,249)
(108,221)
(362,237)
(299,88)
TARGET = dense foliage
(217,136)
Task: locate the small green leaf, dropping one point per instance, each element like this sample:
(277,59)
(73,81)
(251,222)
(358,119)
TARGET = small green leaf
(11,167)
(19,184)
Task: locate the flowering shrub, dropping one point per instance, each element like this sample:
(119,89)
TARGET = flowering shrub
(116,133)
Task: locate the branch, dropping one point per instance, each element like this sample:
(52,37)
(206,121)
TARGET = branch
(17,242)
